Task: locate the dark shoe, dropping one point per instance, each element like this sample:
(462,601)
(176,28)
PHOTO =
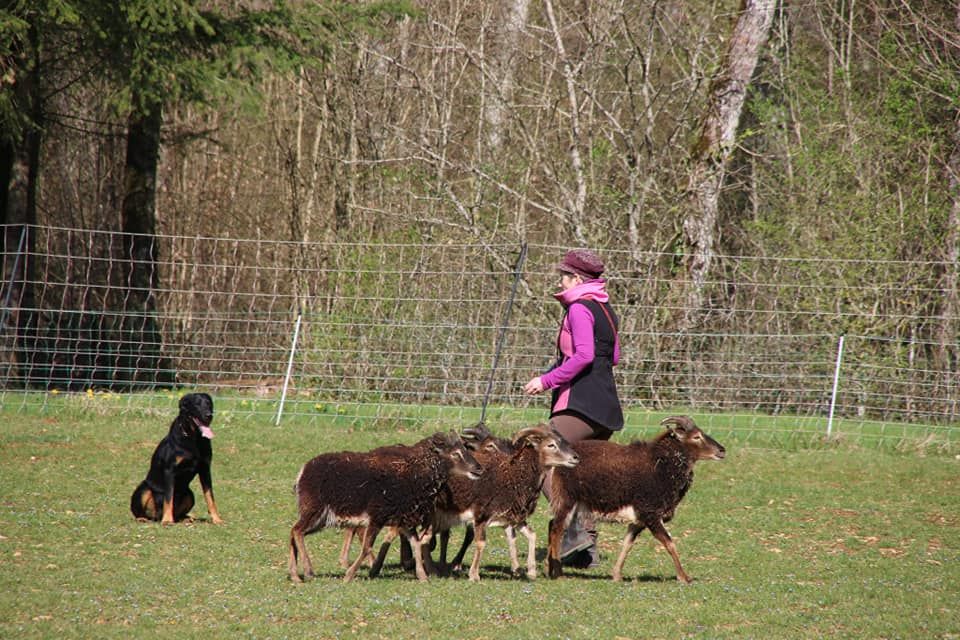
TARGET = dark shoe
(586,558)
(575,539)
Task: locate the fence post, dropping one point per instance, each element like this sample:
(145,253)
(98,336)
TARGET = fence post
(518,271)
(286,379)
(836,381)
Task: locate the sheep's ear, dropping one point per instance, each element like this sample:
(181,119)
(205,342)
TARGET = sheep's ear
(441,441)
(678,424)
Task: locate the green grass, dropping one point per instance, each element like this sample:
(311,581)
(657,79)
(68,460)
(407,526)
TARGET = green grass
(805,540)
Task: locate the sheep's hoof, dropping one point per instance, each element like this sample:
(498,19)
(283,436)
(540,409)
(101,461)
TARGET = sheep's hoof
(554,569)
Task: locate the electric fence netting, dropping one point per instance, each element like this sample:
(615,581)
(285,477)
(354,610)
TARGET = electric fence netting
(373,334)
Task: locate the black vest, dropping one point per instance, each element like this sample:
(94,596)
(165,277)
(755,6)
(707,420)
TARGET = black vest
(593,392)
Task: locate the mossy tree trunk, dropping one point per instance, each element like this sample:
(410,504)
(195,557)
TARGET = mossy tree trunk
(714,147)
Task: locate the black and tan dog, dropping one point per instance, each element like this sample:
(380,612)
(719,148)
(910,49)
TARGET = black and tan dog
(185,452)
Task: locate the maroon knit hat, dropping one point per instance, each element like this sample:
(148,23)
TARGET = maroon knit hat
(583,262)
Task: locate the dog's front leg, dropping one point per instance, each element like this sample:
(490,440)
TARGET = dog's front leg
(206,483)
(168,509)
(169,481)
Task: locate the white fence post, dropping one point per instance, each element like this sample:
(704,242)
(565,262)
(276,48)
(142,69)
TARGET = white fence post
(286,379)
(836,380)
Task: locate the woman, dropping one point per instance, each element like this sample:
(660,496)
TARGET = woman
(585,404)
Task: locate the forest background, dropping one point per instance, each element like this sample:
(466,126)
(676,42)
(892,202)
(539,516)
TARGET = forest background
(678,135)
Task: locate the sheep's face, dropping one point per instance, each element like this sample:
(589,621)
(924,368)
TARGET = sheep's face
(492,453)
(463,463)
(557,452)
(494,447)
(703,446)
(700,445)
(552,449)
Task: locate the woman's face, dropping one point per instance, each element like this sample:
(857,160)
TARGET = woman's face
(569,280)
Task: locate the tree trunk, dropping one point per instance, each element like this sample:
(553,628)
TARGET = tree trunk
(139,360)
(947,334)
(714,146)
(20,161)
(505,44)
(577,201)
(139,207)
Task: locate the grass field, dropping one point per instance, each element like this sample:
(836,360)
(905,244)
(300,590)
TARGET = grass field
(840,541)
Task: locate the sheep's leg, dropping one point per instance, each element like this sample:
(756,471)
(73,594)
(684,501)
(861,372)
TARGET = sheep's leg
(558,526)
(377,564)
(369,535)
(292,565)
(531,537)
(427,542)
(480,531)
(442,566)
(417,547)
(511,535)
(467,539)
(299,548)
(632,531)
(348,535)
(660,533)
(406,555)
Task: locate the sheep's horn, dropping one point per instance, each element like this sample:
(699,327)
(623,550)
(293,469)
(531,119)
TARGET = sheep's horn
(477,432)
(684,422)
(539,431)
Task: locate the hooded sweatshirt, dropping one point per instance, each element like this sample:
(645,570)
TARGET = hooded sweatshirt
(588,347)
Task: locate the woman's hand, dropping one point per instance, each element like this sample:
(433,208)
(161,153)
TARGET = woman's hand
(533,387)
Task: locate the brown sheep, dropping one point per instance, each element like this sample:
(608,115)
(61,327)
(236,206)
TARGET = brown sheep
(392,487)
(640,483)
(488,449)
(508,492)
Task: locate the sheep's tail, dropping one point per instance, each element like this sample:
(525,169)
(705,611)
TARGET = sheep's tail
(296,483)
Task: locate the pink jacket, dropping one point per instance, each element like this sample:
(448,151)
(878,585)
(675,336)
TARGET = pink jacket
(576,333)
